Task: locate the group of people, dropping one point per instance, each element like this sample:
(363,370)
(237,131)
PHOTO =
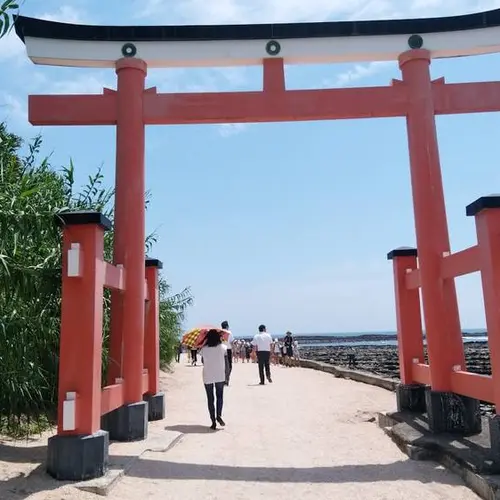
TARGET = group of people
(218,354)
(281,353)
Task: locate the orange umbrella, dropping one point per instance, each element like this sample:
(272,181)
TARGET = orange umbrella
(196,337)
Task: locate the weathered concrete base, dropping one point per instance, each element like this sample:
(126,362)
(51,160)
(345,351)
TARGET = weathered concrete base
(156,406)
(124,455)
(127,423)
(76,458)
(469,457)
(356,375)
(453,413)
(494,430)
(411,397)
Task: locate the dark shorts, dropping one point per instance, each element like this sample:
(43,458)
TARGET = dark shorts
(289,352)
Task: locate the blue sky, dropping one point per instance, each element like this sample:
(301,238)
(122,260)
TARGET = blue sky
(285,224)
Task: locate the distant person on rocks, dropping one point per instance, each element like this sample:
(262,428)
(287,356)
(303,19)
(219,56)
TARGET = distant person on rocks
(229,344)
(214,375)
(262,344)
(288,348)
(351,359)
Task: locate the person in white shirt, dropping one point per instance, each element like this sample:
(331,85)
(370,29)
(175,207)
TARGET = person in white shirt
(262,344)
(214,375)
(229,344)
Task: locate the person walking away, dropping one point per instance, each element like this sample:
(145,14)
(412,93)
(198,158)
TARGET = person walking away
(178,353)
(262,343)
(296,353)
(194,356)
(288,347)
(248,351)
(275,352)
(229,344)
(214,375)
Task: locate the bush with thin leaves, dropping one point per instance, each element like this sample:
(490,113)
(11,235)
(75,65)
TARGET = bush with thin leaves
(7,9)
(31,194)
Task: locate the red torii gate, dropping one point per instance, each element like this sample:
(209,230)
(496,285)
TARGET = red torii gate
(132,106)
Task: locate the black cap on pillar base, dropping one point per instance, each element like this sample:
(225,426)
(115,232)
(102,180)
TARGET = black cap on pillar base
(150,262)
(402,252)
(483,203)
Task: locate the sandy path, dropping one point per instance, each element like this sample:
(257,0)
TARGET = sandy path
(305,436)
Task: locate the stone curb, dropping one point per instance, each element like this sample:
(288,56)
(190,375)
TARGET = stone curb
(124,455)
(487,487)
(357,376)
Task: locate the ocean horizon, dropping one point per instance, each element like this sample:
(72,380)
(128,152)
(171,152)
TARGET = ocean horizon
(370,338)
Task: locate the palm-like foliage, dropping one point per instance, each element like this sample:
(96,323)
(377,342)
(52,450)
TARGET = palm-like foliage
(31,193)
(6,10)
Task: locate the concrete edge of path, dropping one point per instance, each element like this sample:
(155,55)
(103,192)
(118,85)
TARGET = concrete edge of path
(485,486)
(357,376)
(124,455)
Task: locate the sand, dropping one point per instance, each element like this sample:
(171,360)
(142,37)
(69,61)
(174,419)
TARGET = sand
(308,435)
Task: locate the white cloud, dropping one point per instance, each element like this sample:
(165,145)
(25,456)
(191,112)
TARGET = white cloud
(358,72)
(13,109)
(65,14)
(261,11)
(83,84)
(12,49)
(230,129)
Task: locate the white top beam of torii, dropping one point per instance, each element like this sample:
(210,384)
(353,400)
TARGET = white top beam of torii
(61,44)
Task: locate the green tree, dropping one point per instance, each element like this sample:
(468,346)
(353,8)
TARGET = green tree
(31,194)
(7,13)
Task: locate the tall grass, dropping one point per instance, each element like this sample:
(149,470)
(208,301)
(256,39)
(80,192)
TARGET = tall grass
(31,193)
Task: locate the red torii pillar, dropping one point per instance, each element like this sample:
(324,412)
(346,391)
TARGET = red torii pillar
(128,319)
(439,299)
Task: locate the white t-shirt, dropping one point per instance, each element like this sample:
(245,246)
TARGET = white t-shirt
(214,364)
(230,340)
(263,341)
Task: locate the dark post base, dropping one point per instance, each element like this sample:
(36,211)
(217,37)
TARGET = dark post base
(78,458)
(156,405)
(411,397)
(494,424)
(127,423)
(449,412)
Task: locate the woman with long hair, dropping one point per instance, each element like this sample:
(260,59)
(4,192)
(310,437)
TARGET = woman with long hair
(214,375)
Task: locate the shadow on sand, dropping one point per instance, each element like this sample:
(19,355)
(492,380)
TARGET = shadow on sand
(368,473)
(191,429)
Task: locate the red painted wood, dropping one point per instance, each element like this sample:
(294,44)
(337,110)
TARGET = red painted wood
(292,105)
(72,109)
(458,98)
(460,263)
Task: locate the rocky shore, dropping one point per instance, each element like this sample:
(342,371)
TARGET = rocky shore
(383,360)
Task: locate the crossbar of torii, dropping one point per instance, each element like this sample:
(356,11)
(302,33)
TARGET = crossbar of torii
(132,106)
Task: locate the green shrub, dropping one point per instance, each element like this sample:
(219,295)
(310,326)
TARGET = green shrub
(31,193)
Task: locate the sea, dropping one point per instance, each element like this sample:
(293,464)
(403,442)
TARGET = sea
(381,338)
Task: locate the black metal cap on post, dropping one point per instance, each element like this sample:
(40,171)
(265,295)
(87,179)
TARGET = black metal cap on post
(154,263)
(80,217)
(402,252)
(483,203)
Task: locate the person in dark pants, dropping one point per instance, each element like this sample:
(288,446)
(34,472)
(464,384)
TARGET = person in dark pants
(214,375)
(288,349)
(262,344)
(178,353)
(194,356)
(229,359)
